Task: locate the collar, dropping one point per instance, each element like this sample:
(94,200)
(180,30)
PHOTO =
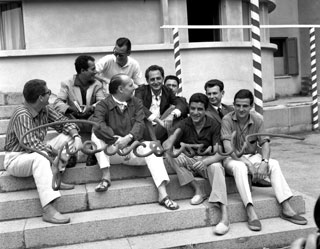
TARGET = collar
(115,61)
(207,123)
(153,95)
(124,103)
(234,117)
(32,111)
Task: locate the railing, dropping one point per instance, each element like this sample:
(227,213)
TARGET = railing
(155,148)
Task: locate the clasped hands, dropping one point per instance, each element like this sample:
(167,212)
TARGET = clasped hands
(81,115)
(258,170)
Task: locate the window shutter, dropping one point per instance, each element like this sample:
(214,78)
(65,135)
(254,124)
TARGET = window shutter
(292,64)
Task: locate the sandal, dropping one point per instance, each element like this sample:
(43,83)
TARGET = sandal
(103,186)
(168,203)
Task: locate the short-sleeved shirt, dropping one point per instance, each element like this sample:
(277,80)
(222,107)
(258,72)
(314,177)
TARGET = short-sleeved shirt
(208,136)
(253,125)
(107,67)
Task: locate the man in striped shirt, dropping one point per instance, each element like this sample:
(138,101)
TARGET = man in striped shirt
(23,163)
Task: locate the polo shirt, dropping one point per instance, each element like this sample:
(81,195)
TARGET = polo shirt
(254,124)
(208,136)
(107,67)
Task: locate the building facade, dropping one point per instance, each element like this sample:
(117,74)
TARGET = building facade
(42,38)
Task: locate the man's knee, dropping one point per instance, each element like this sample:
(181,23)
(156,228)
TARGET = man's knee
(274,164)
(240,169)
(215,167)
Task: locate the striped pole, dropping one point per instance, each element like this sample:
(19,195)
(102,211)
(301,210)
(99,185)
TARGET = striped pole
(314,88)
(256,55)
(177,58)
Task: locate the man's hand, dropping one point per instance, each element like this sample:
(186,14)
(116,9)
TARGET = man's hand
(160,122)
(262,171)
(63,162)
(199,166)
(123,141)
(76,145)
(86,114)
(168,121)
(251,168)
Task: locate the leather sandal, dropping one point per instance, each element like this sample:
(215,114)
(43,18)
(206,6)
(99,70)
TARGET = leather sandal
(168,203)
(103,186)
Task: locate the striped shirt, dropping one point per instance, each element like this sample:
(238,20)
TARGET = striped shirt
(25,118)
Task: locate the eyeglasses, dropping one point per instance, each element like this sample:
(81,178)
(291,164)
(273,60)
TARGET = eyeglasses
(120,55)
(47,92)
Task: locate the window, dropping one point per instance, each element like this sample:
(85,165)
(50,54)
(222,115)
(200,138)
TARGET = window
(11,26)
(286,56)
(204,12)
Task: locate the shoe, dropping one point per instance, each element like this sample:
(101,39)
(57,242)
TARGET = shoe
(72,161)
(261,183)
(91,160)
(51,215)
(254,225)
(221,229)
(197,199)
(103,186)
(65,186)
(296,219)
(168,203)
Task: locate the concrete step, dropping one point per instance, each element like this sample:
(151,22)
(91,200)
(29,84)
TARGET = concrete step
(276,233)
(113,223)
(26,204)
(6,111)
(78,175)
(3,125)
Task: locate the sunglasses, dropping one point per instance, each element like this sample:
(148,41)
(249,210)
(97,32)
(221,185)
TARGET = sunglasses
(47,92)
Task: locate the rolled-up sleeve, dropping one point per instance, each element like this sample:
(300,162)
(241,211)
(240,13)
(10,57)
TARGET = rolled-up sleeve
(226,129)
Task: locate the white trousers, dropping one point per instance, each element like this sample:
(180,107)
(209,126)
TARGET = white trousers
(21,164)
(240,173)
(154,163)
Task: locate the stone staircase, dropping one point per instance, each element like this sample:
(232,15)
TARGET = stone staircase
(128,215)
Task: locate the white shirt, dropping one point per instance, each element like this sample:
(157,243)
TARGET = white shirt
(122,104)
(107,67)
(155,107)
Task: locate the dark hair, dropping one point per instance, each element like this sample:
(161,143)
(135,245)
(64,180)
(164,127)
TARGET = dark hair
(123,41)
(154,68)
(33,89)
(199,97)
(115,82)
(82,62)
(212,83)
(244,94)
(171,77)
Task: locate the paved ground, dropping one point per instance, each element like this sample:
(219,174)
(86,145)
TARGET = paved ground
(300,161)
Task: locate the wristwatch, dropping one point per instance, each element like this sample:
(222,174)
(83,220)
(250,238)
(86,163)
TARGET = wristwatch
(265,160)
(76,135)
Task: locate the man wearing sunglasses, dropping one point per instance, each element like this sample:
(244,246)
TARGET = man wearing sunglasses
(119,62)
(78,96)
(18,162)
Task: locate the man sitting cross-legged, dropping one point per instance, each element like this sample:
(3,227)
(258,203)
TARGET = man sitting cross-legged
(258,165)
(121,119)
(22,163)
(200,129)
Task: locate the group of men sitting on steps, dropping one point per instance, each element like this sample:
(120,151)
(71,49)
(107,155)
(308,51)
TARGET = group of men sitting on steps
(153,111)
